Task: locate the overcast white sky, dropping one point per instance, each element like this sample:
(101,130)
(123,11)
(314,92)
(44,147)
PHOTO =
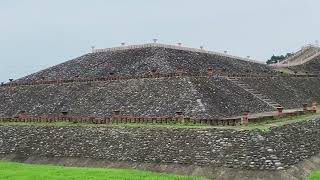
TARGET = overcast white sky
(36,34)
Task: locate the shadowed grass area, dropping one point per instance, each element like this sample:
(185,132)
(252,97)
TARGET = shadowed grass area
(20,171)
(315,175)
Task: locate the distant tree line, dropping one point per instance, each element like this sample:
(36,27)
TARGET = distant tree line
(275,59)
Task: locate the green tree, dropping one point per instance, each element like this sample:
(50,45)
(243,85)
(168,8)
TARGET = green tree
(275,59)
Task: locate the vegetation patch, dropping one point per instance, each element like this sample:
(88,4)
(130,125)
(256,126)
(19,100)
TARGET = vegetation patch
(315,175)
(273,122)
(20,171)
(285,70)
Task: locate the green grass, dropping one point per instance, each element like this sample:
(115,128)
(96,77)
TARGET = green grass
(266,125)
(19,171)
(315,175)
(285,70)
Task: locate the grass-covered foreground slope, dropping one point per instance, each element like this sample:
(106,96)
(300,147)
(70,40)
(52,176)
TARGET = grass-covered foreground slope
(20,171)
(315,175)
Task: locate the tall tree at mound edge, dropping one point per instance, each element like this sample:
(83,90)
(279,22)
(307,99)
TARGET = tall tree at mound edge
(275,59)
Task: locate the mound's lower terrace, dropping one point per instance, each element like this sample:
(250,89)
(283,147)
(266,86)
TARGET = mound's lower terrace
(206,97)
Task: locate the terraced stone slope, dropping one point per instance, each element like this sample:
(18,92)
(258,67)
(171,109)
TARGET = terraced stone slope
(191,94)
(311,67)
(195,96)
(290,92)
(145,60)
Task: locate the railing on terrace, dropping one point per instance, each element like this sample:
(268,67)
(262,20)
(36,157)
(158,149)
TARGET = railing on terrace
(300,57)
(146,76)
(307,59)
(177,48)
(298,53)
(125,119)
(180,118)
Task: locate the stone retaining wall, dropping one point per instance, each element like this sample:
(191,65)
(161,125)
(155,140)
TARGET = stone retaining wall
(276,149)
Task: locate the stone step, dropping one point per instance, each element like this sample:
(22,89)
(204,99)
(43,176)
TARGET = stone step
(264,98)
(267,99)
(270,102)
(253,92)
(273,103)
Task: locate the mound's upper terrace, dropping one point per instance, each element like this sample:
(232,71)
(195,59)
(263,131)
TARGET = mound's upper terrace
(146,60)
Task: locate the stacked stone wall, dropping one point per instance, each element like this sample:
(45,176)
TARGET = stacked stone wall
(276,149)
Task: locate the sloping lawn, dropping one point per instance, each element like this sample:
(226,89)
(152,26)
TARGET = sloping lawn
(315,175)
(20,171)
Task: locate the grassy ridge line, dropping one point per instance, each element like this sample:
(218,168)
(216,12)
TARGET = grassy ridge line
(266,125)
(20,171)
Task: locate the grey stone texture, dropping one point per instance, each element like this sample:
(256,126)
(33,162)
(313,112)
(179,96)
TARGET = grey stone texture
(276,149)
(290,92)
(143,61)
(311,67)
(195,96)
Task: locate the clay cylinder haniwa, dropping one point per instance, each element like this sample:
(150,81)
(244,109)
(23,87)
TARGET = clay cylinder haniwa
(305,106)
(314,106)
(245,117)
(210,71)
(280,110)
